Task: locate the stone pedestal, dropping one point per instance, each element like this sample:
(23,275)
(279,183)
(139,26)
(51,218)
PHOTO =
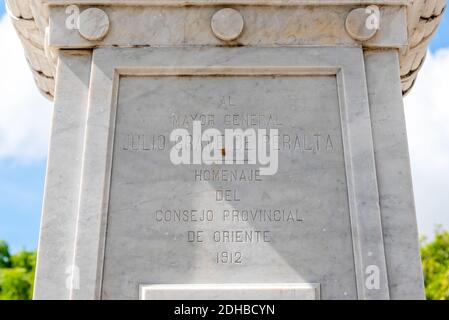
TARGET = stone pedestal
(318,206)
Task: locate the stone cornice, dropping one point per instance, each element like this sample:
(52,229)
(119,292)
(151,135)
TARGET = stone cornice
(30,18)
(228,2)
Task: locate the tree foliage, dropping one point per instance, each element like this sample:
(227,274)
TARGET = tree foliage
(435,259)
(5,257)
(16,273)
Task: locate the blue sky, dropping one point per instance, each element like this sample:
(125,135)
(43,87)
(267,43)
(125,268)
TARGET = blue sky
(21,182)
(21,188)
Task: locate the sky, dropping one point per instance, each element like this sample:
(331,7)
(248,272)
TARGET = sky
(24,130)
(427,119)
(25,120)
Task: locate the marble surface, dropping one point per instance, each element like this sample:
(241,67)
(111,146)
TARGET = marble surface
(394,177)
(293,226)
(349,192)
(138,93)
(333,218)
(227,24)
(248,291)
(264,26)
(93,24)
(55,272)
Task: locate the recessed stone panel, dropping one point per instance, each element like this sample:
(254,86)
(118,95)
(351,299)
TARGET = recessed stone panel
(224,223)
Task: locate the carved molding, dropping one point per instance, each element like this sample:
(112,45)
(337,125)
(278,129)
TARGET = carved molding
(30,18)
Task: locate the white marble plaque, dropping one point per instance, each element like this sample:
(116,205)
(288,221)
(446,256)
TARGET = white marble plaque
(227,223)
(307,211)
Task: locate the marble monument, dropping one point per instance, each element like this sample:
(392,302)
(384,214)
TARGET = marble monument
(227,149)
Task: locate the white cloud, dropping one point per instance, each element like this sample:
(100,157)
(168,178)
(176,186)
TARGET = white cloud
(25,115)
(427,115)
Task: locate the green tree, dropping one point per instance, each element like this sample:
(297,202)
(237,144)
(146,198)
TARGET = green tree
(435,260)
(5,257)
(16,273)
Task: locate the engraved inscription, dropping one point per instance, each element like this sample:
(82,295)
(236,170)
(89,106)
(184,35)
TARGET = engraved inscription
(228,180)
